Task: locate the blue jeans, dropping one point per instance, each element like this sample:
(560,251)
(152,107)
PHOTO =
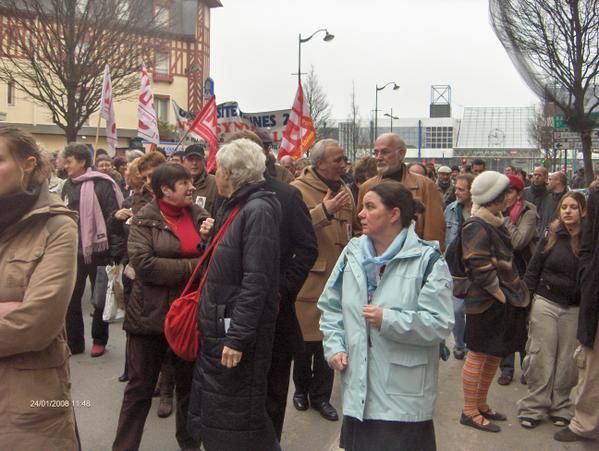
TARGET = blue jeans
(459,310)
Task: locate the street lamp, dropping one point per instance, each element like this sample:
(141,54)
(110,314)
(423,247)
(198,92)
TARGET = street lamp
(390,116)
(327,37)
(376,104)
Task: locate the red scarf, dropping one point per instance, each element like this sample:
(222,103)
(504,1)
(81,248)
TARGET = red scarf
(515,211)
(181,223)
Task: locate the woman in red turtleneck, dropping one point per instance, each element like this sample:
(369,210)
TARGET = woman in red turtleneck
(164,248)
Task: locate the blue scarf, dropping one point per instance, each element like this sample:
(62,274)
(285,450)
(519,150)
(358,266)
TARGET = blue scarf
(372,262)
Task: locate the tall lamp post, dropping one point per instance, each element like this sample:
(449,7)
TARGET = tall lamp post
(327,38)
(376,104)
(390,116)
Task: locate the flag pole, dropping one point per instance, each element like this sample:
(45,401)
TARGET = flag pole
(182,139)
(97,137)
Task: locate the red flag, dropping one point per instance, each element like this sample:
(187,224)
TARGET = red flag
(204,125)
(147,126)
(107,110)
(299,134)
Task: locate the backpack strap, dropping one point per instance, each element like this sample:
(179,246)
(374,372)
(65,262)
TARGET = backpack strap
(429,266)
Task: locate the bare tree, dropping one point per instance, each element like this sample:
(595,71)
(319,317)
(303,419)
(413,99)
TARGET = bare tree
(55,51)
(319,107)
(541,130)
(354,120)
(554,44)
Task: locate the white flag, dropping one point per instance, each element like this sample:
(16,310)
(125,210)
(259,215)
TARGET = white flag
(107,110)
(147,126)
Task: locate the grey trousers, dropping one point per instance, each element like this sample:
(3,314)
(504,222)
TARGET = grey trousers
(549,365)
(586,412)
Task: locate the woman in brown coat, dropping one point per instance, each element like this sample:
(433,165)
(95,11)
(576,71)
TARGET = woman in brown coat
(495,301)
(163,247)
(38,258)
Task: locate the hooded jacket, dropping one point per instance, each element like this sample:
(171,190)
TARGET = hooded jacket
(395,379)
(38,261)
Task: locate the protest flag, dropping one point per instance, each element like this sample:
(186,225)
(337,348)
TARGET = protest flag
(107,112)
(299,134)
(147,126)
(204,126)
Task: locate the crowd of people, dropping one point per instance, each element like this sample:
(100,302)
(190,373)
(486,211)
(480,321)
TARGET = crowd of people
(309,268)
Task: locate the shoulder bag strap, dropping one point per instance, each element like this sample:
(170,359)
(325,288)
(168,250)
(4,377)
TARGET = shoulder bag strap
(208,252)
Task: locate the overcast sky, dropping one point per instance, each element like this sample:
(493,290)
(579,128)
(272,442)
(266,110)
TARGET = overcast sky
(416,43)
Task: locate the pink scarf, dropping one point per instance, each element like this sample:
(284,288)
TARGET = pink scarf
(515,211)
(93,225)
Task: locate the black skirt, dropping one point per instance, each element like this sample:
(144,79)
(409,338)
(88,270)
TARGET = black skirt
(377,435)
(500,330)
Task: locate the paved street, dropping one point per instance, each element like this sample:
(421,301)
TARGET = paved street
(96,380)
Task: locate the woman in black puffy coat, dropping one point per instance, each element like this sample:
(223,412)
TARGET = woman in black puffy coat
(238,310)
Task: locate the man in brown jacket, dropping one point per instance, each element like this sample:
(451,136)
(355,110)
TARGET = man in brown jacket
(205,194)
(331,207)
(390,152)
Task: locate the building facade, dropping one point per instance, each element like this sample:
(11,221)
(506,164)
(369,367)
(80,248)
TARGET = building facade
(179,63)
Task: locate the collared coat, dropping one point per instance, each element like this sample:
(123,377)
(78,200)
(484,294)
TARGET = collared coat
(38,261)
(430,225)
(395,379)
(206,194)
(332,233)
(160,270)
(588,278)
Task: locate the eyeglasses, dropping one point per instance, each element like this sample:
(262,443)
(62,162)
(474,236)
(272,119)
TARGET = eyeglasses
(383,152)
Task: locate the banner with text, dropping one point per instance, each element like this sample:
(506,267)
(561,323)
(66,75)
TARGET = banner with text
(231,119)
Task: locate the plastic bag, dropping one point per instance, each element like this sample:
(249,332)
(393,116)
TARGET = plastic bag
(115,299)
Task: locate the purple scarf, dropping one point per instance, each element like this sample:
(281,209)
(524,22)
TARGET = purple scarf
(93,225)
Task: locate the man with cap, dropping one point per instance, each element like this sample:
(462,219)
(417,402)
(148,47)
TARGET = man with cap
(275,170)
(390,152)
(205,194)
(445,186)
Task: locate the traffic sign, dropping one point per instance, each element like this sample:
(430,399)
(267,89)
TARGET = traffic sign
(558,120)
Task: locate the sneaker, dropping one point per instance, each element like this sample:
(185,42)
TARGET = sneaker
(459,353)
(529,423)
(97,350)
(560,422)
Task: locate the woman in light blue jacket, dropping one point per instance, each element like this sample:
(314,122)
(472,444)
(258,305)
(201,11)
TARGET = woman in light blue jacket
(384,311)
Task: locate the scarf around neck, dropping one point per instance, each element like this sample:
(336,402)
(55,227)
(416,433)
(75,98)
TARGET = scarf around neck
(14,206)
(93,224)
(372,262)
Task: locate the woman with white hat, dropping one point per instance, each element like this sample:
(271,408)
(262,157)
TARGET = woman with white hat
(495,301)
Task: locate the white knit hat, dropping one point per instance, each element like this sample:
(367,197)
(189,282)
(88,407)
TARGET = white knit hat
(487,186)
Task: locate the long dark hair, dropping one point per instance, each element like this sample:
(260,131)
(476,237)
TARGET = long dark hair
(555,225)
(394,195)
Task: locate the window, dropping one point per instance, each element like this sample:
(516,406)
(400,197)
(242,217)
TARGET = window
(123,11)
(82,6)
(161,14)
(162,107)
(11,93)
(162,63)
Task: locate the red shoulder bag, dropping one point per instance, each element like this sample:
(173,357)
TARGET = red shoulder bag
(180,324)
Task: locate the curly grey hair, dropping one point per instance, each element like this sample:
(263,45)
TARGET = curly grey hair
(244,159)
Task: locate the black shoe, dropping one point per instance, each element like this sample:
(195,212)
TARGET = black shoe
(566,435)
(123,377)
(469,421)
(459,353)
(327,411)
(505,378)
(493,416)
(300,402)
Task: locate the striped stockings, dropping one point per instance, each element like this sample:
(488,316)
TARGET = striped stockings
(477,376)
